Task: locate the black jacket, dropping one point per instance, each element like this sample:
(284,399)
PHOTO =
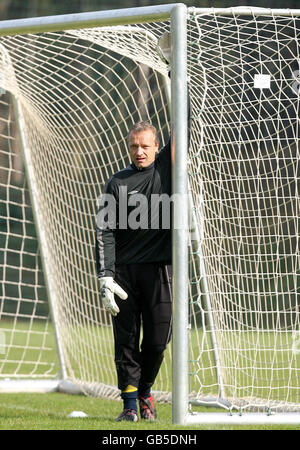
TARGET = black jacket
(139,227)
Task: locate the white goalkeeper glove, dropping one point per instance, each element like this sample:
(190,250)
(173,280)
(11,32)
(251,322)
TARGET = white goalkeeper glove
(108,287)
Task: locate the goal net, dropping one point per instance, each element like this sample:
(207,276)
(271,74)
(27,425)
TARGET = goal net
(68,100)
(244,177)
(76,94)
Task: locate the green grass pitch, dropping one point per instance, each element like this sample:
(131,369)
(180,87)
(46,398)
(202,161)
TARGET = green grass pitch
(50,412)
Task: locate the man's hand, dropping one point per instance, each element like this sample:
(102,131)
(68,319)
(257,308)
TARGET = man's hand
(108,287)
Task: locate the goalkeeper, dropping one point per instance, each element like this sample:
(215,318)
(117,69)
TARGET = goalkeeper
(134,267)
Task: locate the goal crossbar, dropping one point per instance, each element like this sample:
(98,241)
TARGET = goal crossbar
(87,20)
(246,11)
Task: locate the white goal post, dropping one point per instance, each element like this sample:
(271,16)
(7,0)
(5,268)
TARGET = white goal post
(71,88)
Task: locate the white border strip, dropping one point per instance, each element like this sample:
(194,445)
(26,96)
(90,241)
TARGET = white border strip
(242,419)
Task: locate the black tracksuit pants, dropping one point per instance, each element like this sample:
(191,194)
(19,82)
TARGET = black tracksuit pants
(149,304)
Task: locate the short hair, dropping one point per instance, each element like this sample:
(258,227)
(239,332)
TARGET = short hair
(143,126)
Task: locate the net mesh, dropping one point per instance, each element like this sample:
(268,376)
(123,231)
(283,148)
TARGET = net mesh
(244,176)
(26,336)
(77,100)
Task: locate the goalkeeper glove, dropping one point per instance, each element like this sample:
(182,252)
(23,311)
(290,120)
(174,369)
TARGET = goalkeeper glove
(108,287)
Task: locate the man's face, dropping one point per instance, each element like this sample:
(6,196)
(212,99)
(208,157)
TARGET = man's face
(142,148)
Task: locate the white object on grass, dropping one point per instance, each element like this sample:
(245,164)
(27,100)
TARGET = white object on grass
(77,414)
